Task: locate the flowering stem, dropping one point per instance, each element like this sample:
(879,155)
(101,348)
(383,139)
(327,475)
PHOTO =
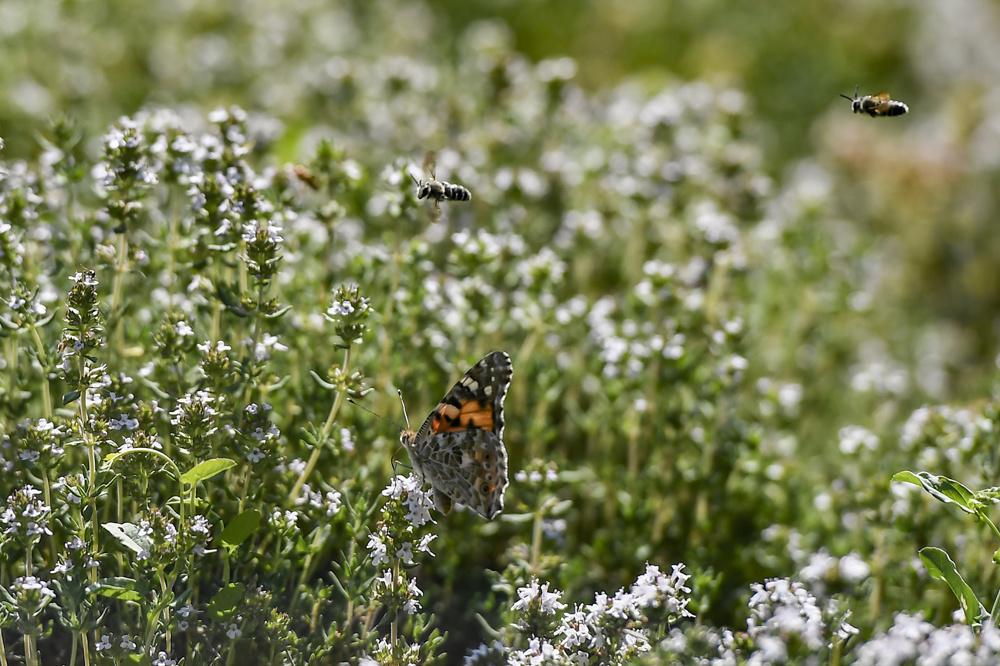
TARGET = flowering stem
(3,651)
(324,433)
(46,390)
(30,656)
(121,267)
(258,318)
(393,627)
(216,305)
(536,541)
(536,536)
(85,644)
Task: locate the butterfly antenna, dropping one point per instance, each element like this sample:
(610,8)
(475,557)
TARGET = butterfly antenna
(358,404)
(405,417)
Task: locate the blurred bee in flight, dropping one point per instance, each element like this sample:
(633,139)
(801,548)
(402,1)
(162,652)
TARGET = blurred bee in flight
(438,190)
(876,105)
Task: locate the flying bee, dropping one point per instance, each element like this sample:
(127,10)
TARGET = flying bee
(876,105)
(438,190)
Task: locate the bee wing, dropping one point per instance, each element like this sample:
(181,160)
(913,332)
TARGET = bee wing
(430,163)
(882,96)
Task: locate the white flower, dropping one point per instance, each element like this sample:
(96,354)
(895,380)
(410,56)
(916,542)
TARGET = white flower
(340,309)
(405,552)
(853,569)
(104,643)
(378,550)
(233,632)
(548,602)
(854,437)
(163,660)
(333,502)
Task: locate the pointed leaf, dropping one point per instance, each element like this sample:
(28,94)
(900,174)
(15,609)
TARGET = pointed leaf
(941,567)
(223,604)
(121,588)
(941,488)
(241,527)
(206,470)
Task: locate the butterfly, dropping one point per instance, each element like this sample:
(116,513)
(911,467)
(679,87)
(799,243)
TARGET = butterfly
(459,448)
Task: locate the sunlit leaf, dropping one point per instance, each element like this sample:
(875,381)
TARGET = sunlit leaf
(206,470)
(941,567)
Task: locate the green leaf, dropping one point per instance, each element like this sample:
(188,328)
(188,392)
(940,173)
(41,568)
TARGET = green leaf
(118,587)
(224,602)
(70,396)
(206,470)
(942,488)
(941,567)
(241,527)
(129,536)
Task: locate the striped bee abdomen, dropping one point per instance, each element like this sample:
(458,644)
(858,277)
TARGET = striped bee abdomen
(454,192)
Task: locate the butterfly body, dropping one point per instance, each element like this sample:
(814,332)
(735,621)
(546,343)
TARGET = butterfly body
(459,449)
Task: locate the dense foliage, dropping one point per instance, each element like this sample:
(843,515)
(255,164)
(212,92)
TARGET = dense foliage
(721,358)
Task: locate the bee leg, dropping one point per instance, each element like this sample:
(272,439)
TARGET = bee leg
(436,211)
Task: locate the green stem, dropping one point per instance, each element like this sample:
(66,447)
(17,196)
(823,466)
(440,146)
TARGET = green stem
(216,305)
(536,541)
(43,360)
(324,433)
(121,267)
(3,651)
(30,654)
(85,644)
(47,493)
(393,626)
(255,338)
(983,517)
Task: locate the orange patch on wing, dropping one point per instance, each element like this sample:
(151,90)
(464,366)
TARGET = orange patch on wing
(472,415)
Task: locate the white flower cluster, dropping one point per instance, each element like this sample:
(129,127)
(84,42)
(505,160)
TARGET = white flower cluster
(330,503)
(613,629)
(394,542)
(781,610)
(418,502)
(912,640)
(25,515)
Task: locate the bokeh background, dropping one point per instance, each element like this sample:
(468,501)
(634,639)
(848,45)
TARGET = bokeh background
(924,185)
(871,288)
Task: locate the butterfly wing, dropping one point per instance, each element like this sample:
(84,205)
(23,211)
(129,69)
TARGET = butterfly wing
(476,401)
(468,467)
(460,445)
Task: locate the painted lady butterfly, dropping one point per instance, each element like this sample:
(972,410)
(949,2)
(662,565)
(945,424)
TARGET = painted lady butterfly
(459,448)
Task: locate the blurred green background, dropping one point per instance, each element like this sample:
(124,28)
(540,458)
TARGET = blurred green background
(916,199)
(928,181)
